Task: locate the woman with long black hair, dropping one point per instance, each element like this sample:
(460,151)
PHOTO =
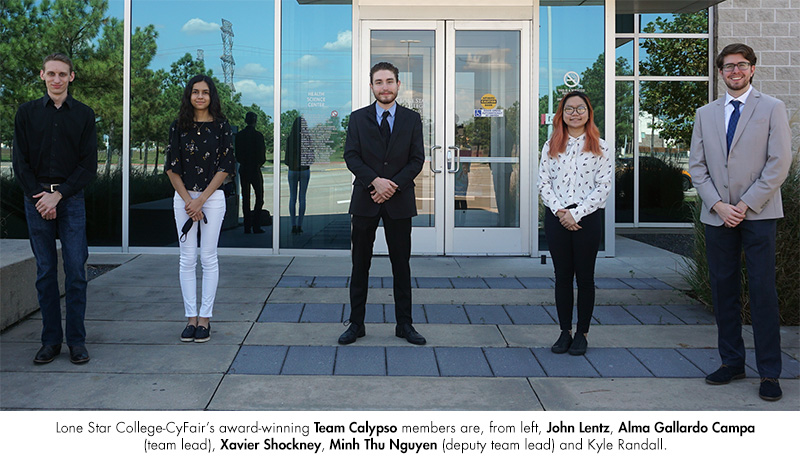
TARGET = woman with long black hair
(199,158)
(575,177)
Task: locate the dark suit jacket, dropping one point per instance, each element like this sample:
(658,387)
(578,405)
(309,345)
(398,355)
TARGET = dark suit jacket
(367,158)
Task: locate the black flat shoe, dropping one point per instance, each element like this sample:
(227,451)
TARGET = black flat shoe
(563,343)
(407,331)
(47,353)
(78,354)
(202,334)
(724,375)
(188,333)
(579,345)
(354,331)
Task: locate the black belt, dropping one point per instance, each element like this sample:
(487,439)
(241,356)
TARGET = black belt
(50,188)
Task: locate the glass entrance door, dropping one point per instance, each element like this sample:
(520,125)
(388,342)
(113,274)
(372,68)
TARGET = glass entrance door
(466,81)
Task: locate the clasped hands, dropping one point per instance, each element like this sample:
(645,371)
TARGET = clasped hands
(731,215)
(383,189)
(46,206)
(194,208)
(566,220)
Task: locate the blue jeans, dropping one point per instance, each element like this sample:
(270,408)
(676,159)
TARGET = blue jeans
(70,227)
(298,180)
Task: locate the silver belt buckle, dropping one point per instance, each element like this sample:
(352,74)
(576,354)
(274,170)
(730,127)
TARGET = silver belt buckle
(51,187)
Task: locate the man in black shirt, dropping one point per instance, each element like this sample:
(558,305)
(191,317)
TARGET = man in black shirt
(55,157)
(251,155)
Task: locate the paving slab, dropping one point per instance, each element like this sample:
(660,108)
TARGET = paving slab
(340,393)
(667,363)
(513,362)
(663,394)
(620,336)
(528,314)
(564,365)
(259,360)
(462,362)
(92,391)
(408,361)
(361,360)
(616,362)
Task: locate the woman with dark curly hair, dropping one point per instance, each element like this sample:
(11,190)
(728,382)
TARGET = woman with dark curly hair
(574,182)
(199,158)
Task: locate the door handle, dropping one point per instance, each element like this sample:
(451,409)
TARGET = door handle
(433,159)
(453,164)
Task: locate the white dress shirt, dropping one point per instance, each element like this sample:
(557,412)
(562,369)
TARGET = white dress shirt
(729,107)
(576,177)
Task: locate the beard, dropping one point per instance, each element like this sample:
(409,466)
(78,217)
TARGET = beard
(385,98)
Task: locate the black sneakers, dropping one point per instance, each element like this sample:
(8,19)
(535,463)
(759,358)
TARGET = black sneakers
(564,342)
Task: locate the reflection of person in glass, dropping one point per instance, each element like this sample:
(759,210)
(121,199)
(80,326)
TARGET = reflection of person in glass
(384,150)
(741,154)
(298,157)
(251,154)
(199,158)
(574,182)
(55,157)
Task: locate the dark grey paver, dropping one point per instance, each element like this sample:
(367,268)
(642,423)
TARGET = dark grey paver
(276,312)
(666,362)
(504,283)
(375,282)
(656,283)
(330,282)
(360,360)
(706,359)
(322,313)
(537,283)
(417,361)
(613,315)
(388,282)
(692,314)
(487,314)
(564,365)
(433,283)
(309,360)
(259,360)
(528,315)
(790,369)
(469,283)
(513,362)
(636,283)
(610,283)
(462,362)
(653,315)
(445,313)
(295,282)
(616,362)
(417,313)
(551,309)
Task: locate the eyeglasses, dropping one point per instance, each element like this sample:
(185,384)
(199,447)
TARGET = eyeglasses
(742,66)
(569,110)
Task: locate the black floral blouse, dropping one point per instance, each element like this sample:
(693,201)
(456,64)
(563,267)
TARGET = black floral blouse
(197,154)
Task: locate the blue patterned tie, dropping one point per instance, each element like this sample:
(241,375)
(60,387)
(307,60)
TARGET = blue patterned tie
(732,123)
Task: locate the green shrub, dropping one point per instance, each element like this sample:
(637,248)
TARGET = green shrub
(787,266)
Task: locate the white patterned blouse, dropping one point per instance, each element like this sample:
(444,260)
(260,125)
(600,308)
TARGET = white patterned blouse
(576,177)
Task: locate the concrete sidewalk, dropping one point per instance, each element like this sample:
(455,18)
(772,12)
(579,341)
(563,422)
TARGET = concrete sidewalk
(489,322)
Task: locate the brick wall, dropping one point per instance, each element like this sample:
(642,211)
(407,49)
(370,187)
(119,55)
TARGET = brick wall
(772,29)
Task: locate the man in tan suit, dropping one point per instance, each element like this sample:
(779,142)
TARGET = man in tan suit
(740,156)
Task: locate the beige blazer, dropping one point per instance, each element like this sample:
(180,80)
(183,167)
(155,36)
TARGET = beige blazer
(758,162)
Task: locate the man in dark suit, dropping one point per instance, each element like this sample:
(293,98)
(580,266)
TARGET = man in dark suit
(740,156)
(251,155)
(384,150)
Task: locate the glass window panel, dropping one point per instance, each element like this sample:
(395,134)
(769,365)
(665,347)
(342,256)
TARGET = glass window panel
(96,48)
(683,23)
(565,55)
(625,57)
(413,53)
(673,57)
(624,156)
(315,107)
(625,23)
(173,41)
(666,119)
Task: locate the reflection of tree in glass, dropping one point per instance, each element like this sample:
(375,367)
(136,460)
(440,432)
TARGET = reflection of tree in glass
(672,103)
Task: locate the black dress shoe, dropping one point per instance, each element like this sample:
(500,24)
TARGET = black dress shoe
(47,353)
(770,390)
(354,331)
(78,354)
(563,343)
(579,345)
(407,331)
(724,375)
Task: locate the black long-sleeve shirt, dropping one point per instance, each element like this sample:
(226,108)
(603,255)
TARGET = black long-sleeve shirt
(54,146)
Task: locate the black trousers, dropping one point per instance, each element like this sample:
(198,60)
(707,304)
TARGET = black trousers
(574,254)
(398,239)
(247,179)
(724,252)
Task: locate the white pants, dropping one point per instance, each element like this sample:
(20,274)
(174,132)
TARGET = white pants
(214,209)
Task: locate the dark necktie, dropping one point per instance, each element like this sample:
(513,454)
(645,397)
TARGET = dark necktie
(732,123)
(386,131)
